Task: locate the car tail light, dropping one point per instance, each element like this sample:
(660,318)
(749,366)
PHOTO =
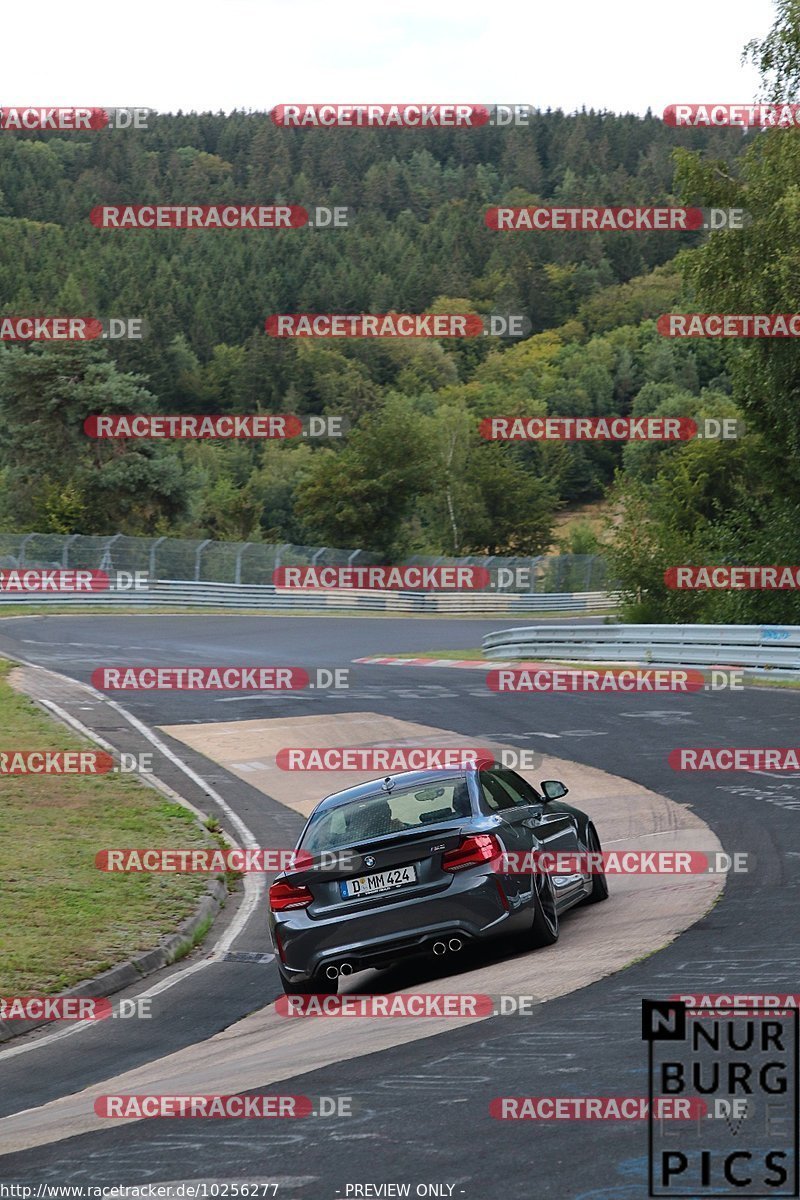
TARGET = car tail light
(285,895)
(479,848)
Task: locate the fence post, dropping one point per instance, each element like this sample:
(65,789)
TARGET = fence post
(21,551)
(152,560)
(65,555)
(197,554)
(105,561)
(279,551)
(237,578)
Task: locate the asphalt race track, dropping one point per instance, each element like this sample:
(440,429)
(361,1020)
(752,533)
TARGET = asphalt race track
(420,1109)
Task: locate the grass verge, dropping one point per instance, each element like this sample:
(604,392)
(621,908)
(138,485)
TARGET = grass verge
(63,920)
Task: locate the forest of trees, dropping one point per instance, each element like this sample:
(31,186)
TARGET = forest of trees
(413,475)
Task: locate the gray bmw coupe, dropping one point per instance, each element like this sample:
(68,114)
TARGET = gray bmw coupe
(414,865)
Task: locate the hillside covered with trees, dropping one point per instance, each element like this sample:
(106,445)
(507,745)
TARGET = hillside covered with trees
(413,475)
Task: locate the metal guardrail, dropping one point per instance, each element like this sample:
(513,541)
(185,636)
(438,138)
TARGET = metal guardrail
(187,593)
(767,646)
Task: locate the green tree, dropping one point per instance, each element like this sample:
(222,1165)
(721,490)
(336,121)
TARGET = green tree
(58,478)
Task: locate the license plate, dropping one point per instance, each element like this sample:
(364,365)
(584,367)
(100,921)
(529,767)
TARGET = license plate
(381,881)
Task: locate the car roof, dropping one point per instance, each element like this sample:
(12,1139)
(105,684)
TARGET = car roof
(401,781)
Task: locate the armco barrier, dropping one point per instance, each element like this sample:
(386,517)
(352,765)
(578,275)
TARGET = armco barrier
(183,593)
(775,646)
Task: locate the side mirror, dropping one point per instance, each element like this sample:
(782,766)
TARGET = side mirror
(553,789)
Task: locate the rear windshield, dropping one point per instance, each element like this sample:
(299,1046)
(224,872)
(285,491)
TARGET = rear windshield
(395,812)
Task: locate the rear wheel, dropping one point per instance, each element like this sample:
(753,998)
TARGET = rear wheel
(321,986)
(544,929)
(599,883)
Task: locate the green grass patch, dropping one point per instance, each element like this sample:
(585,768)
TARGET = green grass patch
(63,920)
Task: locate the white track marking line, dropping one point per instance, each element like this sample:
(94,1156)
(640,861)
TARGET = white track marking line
(253,884)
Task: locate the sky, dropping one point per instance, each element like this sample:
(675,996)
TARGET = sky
(626,56)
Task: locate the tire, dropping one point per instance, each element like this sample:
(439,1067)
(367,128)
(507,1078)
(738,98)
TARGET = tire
(544,928)
(322,986)
(599,890)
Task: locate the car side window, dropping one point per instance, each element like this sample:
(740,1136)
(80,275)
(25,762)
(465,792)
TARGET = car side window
(507,782)
(520,787)
(497,796)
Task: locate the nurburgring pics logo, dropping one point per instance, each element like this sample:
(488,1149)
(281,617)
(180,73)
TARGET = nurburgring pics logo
(747,1072)
(770,116)
(218,679)
(634,218)
(257,426)
(400,116)
(397,325)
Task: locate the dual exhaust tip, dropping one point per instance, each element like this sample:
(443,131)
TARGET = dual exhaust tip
(455,944)
(334,971)
(346,968)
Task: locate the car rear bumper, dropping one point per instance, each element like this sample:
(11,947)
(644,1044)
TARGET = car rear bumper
(470,909)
